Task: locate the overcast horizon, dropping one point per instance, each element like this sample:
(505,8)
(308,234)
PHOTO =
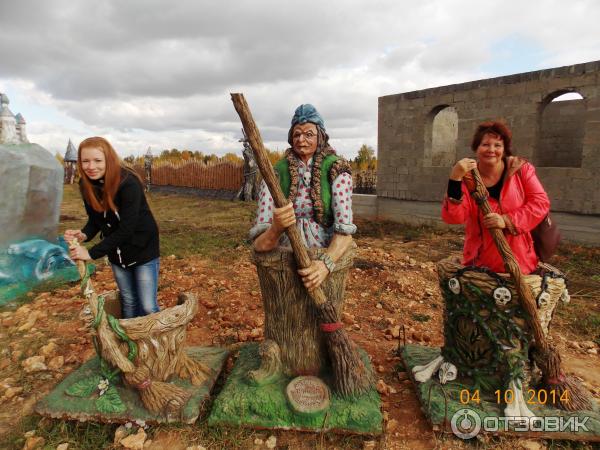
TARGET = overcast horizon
(154,74)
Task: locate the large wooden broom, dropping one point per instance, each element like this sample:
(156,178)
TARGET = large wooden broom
(570,394)
(350,374)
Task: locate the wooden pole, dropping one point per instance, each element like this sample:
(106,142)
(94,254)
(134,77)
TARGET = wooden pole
(575,396)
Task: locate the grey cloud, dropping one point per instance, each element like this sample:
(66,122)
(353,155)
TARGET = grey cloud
(151,70)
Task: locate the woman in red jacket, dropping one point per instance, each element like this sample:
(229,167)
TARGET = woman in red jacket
(516,196)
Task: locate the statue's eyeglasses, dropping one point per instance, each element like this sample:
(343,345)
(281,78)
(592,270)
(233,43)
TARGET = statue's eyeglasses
(309,135)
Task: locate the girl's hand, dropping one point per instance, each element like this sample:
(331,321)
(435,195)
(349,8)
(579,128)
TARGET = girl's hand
(79,253)
(493,220)
(314,275)
(74,234)
(461,168)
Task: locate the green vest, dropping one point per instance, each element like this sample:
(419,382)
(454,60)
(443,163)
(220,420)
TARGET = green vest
(283,170)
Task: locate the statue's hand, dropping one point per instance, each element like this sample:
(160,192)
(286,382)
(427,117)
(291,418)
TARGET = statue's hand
(283,218)
(314,275)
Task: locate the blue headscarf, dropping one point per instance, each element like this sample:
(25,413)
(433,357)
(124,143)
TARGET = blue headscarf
(307,113)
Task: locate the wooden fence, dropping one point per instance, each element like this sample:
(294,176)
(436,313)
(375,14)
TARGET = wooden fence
(194,174)
(225,176)
(364,181)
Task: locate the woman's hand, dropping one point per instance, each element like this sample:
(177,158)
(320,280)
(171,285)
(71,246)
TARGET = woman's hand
(79,253)
(461,168)
(314,275)
(493,220)
(283,217)
(74,234)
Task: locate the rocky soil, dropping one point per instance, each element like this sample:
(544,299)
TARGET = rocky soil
(392,297)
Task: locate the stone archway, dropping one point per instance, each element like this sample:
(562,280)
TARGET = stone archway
(561,130)
(441,134)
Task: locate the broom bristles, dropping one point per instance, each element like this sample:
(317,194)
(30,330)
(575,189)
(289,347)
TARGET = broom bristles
(164,397)
(570,395)
(351,377)
(157,396)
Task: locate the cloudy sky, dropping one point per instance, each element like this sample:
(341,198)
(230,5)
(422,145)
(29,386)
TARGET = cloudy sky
(151,73)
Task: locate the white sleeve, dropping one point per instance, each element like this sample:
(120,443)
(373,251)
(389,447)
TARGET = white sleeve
(264,212)
(342,204)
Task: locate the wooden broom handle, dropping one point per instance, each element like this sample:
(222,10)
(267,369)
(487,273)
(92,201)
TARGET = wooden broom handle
(268,174)
(480,194)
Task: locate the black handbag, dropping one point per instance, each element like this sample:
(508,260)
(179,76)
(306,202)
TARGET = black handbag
(546,237)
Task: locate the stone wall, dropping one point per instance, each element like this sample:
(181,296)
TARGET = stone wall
(409,170)
(562,128)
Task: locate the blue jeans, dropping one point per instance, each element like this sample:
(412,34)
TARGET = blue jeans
(138,286)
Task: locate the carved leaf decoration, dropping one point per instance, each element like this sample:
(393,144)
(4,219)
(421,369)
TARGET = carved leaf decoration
(84,388)
(110,402)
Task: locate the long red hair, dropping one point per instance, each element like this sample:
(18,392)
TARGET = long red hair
(112,176)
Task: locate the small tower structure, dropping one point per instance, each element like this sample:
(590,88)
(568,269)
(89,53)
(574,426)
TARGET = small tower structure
(21,130)
(70,161)
(8,123)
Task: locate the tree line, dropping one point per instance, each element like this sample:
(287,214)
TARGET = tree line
(364,161)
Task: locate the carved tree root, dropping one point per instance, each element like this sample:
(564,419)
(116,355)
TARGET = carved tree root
(194,370)
(270,363)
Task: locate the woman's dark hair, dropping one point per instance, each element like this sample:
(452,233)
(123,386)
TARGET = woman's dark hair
(495,128)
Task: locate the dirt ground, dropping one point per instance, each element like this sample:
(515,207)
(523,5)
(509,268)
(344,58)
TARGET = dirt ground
(392,296)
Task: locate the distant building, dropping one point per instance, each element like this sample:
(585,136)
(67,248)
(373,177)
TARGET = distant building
(12,129)
(70,161)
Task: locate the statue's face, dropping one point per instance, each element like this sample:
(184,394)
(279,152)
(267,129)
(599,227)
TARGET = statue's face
(93,162)
(304,140)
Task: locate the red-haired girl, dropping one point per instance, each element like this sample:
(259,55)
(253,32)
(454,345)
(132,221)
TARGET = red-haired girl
(116,206)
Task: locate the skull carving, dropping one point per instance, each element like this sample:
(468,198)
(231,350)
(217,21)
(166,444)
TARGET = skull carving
(543,299)
(565,297)
(448,372)
(502,295)
(454,285)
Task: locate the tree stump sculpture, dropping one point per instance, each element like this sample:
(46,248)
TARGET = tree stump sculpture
(146,350)
(294,343)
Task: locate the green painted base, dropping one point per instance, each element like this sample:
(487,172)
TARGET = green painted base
(243,404)
(59,405)
(62,276)
(440,403)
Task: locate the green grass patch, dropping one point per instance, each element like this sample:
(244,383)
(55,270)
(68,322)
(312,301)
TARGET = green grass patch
(266,406)
(421,317)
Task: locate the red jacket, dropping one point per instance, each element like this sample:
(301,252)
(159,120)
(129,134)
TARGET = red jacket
(523,204)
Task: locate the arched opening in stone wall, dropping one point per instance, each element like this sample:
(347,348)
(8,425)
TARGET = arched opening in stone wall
(562,126)
(441,133)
